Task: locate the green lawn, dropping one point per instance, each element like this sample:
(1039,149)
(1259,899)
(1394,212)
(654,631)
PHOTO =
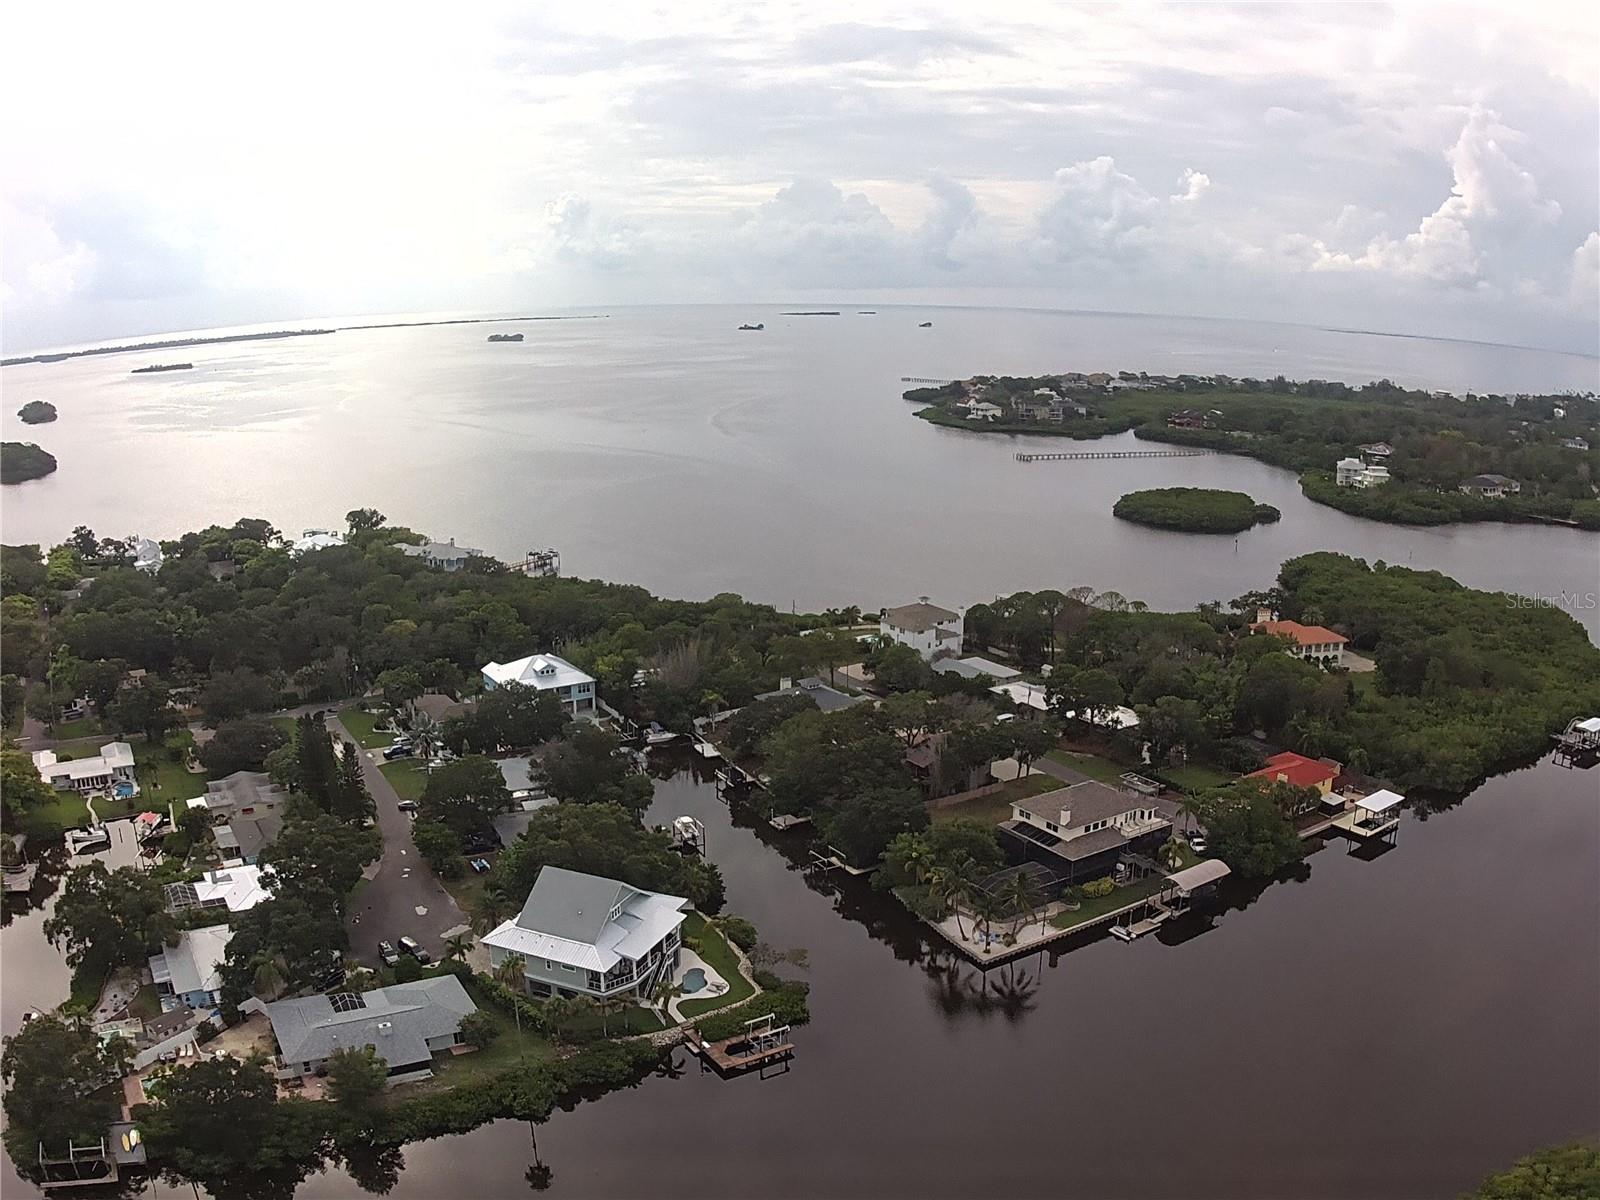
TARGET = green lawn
(83,727)
(996,807)
(710,945)
(360,723)
(286,724)
(406,778)
(1091,765)
(451,1070)
(162,781)
(1196,777)
(1100,905)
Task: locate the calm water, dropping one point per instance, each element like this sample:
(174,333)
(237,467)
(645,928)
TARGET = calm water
(1386,1028)
(662,447)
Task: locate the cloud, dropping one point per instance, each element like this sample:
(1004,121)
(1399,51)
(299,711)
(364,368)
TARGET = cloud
(1097,212)
(1191,186)
(1584,285)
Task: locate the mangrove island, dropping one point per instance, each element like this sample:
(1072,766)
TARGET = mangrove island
(37,412)
(1194,510)
(22,461)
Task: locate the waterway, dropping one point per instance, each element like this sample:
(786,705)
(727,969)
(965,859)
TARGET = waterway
(661,446)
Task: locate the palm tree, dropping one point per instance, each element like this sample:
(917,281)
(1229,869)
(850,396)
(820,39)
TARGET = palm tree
(1171,852)
(1022,894)
(491,909)
(455,948)
(608,1007)
(558,1011)
(268,979)
(509,972)
(666,992)
(985,907)
(426,735)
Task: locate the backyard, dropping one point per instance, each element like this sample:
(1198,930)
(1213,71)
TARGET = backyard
(707,941)
(1098,906)
(995,807)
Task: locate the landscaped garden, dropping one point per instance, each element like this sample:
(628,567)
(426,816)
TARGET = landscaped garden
(707,941)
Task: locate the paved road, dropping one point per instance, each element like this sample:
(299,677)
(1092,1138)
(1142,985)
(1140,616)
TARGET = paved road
(388,905)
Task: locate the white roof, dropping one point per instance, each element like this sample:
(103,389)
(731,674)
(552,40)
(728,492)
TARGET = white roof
(1351,464)
(1197,876)
(318,539)
(987,666)
(193,965)
(1021,692)
(448,551)
(112,755)
(1589,725)
(1381,801)
(1120,717)
(587,921)
(240,888)
(537,671)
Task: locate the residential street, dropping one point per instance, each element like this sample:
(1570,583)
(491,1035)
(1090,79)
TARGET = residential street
(403,897)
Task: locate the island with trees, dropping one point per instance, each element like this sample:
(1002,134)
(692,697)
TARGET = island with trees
(1433,446)
(22,461)
(37,412)
(1194,510)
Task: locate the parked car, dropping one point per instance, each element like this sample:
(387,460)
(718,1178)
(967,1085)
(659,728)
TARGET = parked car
(1197,843)
(411,946)
(399,750)
(388,954)
(1005,718)
(481,841)
(479,865)
(407,806)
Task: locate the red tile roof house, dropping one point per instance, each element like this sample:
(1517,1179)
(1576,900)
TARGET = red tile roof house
(1299,770)
(1311,642)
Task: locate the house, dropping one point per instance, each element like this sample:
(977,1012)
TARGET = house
(926,628)
(1490,487)
(188,975)
(1376,450)
(1314,643)
(1080,831)
(235,889)
(1187,418)
(984,411)
(110,770)
(316,539)
(446,556)
(1097,379)
(1353,472)
(1575,443)
(440,706)
(406,1024)
(243,839)
(147,555)
(1300,771)
(936,775)
(1023,694)
(546,673)
(828,699)
(973,667)
(586,935)
(242,794)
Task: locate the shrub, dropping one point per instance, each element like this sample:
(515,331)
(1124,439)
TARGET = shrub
(740,932)
(786,1003)
(479,1029)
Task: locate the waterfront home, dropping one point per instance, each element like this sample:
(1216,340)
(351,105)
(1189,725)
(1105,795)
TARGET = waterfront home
(1490,487)
(235,889)
(406,1025)
(1314,643)
(110,770)
(1376,449)
(188,975)
(446,556)
(1575,443)
(545,673)
(926,628)
(316,539)
(242,794)
(828,699)
(936,775)
(1300,771)
(972,667)
(1080,831)
(984,411)
(587,935)
(1187,418)
(1354,472)
(147,555)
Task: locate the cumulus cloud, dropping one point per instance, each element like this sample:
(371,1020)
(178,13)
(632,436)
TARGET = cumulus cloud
(1584,287)
(1096,211)
(1191,186)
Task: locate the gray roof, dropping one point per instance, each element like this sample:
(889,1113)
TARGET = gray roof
(972,667)
(1490,480)
(828,699)
(572,905)
(447,551)
(919,617)
(517,772)
(1072,849)
(191,965)
(243,789)
(439,706)
(397,1021)
(254,834)
(1088,801)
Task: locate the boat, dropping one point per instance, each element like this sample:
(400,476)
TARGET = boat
(156,367)
(657,736)
(150,826)
(926,325)
(505,337)
(93,838)
(756,328)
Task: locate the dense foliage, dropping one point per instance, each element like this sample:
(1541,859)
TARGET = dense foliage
(1194,510)
(37,412)
(61,1087)
(1560,1173)
(22,461)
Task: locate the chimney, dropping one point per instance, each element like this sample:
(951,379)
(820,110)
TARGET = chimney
(785,683)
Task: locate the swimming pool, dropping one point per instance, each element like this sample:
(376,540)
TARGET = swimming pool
(694,979)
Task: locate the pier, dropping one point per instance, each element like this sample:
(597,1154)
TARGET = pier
(920,379)
(762,1043)
(1024,456)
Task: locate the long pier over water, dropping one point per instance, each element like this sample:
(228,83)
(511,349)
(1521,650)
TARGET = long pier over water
(1023,456)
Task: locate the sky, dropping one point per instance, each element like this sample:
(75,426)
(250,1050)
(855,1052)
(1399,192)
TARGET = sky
(1413,169)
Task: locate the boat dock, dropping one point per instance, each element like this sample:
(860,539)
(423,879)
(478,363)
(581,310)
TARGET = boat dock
(783,821)
(1026,457)
(761,1044)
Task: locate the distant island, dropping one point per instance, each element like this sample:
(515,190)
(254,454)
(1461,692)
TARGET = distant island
(156,368)
(170,344)
(756,328)
(1194,510)
(1381,451)
(505,337)
(818,313)
(37,412)
(22,461)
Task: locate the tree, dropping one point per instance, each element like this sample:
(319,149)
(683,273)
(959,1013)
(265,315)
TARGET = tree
(1171,725)
(362,520)
(425,736)
(479,1029)
(352,801)
(84,542)
(586,767)
(456,947)
(241,745)
(1021,897)
(21,790)
(400,686)
(1559,1173)
(106,919)
(315,849)
(1247,831)
(316,767)
(898,668)
(61,1087)
(1031,741)
(233,694)
(357,1076)
(465,796)
(748,728)
(511,715)
(863,825)
(144,708)
(1087,695)
(440,847)
(194,824)
(912,715)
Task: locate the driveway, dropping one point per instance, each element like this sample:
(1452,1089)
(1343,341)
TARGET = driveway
(401,896)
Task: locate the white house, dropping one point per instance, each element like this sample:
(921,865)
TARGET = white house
(1491,487)
(984,411)
(1575,443)
(236,889)
(547,673)
(926,628)
(189,973)
(111,768)
(584,934)
(317,539)
(446,556)
(1353,472)
(147,555)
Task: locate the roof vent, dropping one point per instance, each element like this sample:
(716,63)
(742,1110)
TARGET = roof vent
(385,1027)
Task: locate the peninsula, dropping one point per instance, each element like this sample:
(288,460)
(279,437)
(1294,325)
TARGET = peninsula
(157,368)
(1379,450)
(169,344)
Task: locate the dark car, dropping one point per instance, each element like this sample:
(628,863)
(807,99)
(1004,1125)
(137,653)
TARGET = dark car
(399,750)
(481,842)
(388,954)
(407,805)
(412,947)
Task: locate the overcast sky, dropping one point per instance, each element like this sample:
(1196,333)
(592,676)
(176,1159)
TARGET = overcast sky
(1408,169)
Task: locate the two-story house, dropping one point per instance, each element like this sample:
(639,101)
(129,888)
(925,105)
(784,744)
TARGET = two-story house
(1314,643)
(546,673)
(587,935)
(1080,831)
(446,556)
(926,628)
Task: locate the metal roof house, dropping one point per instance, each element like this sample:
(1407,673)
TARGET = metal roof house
(446,556)
(406,1025)
(828,699)
(546,673)
(973,667)
(585,934)
(236,889)
(188,974)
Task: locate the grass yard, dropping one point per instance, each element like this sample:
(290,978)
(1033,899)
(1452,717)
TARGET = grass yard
(996,806)
(1091,765)
(452,1070)
(710,945)
(1099,906)
(286,724)
(83,727)
(406,778)
(359,723)
(162,781)
(1197,777)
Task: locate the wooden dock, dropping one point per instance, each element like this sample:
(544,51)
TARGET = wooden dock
(1026,457)
(762,1044)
